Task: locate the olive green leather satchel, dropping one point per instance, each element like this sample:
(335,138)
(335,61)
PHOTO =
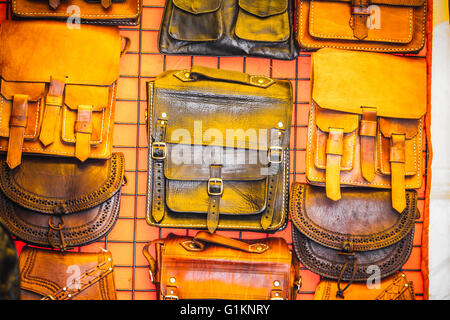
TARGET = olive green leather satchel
(218,153)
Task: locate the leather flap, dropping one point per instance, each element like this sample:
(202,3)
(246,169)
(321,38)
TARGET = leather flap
(61,185)
(198,6)
(33,51)
(408,3)
(408,127)
(33,90)
(348,80)
(326,119)
(264,8)
(362,218)
(96,96)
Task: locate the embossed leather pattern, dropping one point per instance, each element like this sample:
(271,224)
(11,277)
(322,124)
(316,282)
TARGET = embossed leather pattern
(238,177)
(209,266)
(52,275)
(110,12)
(366,25)
(9,267)
(262,28)
(58,202)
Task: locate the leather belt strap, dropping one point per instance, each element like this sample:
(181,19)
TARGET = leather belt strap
(151,261)
(54,4)
(17,124)
(158,153)
(53,104)
(106,3)
(215,191)
(368,132)
(360,14)
(397,160)
(83,132)
(333,168)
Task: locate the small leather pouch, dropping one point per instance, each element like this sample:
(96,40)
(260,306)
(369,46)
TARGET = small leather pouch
(353,239)
(368,25)
(366,122)
(218,153)
(9,267)
(229,28)
(109,12)
(52,275)
(58,89)
(60,203)
(210,266)
(395,287)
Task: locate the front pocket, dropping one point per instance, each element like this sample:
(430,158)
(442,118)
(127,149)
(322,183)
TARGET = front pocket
(196,20)
(263,20)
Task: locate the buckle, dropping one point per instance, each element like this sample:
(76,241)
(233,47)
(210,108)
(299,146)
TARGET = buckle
(275,154)
(215,186)
(158,150)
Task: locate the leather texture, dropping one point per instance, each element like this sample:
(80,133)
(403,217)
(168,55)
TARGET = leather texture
(57,100)
(52,275)
(9,267)
(263,28)
(210,266)
(59,202)
(366,25)
(366,122)
(211,134)
(396,287)
(104,12)
(343,240)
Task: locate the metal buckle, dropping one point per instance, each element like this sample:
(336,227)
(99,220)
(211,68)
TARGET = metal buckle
(279,154)
(214,182)
(159,146)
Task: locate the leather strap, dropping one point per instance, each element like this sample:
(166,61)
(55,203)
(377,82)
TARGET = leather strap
(17,125)
(360,14)
(151,261)
(333,168)
(203,236)
(54,4)
(368,132)
(158,155)
(53,104)
(83,132)
(212,218)
(397,160)
(106,3)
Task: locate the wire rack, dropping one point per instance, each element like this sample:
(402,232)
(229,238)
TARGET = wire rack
(143,63)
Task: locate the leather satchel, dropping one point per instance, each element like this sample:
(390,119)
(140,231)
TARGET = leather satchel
(59,202)
(210,266)
(218,154)
(368,25)
(109,12)
(263,28)
(353,239)
(396,287)
(52,275)
(9,267)
(58,89)
(366,122)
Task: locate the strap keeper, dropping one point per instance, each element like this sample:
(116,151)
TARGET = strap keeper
(275,154)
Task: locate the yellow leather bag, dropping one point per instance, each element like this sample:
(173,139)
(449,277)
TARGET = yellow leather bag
(369,25)
(58,89)
(366,122)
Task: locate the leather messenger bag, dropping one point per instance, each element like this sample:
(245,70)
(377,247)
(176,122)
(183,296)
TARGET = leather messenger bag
(52,275)
(58,89)
(366,122)
(366,25)
(353,239)
(109,12)
(59,202)
(211,266)
(263,28)
(218,155)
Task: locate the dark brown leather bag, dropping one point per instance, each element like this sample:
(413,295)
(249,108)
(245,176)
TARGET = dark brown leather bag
(353,238)
(52,275)
(211,266)
(61,202)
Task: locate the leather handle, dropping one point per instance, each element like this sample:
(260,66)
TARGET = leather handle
(203,236)
(151,261)
(126,46)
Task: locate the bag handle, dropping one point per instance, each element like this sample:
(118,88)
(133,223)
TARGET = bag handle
(200,72)
(152,267)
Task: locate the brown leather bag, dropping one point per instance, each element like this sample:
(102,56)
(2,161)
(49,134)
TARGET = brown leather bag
(210,266)
(58,89)
(354,238)
(52,275)
(59,202)
(396,287)
(369,25)
(366,122)
(110,12)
